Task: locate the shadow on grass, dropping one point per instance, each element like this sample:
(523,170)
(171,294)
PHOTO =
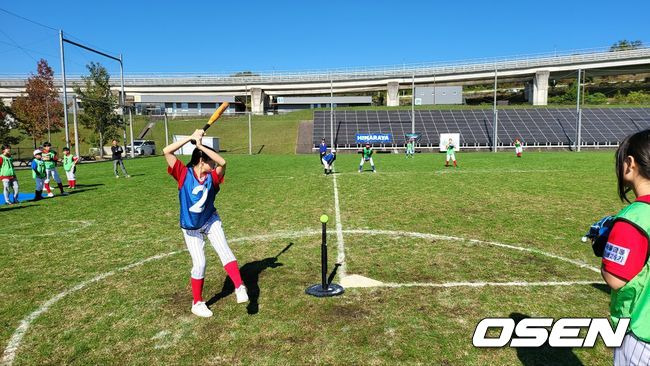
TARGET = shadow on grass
(602,287)
(333,274)
(17,206)
(90,185)
(250,274)
(544,355)
(77,191)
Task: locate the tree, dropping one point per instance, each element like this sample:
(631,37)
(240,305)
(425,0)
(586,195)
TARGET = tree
(40,109)
(244,73)
(98,104)
(625,45)
(7,122)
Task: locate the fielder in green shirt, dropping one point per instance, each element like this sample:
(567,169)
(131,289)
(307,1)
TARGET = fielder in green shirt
(367,157)
(451,153)
(49,160)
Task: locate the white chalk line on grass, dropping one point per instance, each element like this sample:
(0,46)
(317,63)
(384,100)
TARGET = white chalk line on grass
(16,338)
(340,258)
(488,284)
(426,172)
(14,342)
(82,224)
(475,241)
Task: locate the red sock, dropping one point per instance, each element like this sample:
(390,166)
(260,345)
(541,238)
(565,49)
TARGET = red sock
(197,289)
(47,188)
(233,272)
(455,163)
(71,183)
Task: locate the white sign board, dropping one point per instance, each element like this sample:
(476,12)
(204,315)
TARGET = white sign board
(444,140)
(187,149)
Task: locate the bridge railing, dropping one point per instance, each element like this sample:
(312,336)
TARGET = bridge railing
(343,74)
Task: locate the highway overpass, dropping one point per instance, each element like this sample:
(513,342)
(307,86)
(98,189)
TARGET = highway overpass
(534,70)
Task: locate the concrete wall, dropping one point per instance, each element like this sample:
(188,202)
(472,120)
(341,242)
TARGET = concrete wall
(438,95)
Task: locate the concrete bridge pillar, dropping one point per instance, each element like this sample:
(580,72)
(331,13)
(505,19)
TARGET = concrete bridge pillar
(258,100)
(537,91)
(392,99)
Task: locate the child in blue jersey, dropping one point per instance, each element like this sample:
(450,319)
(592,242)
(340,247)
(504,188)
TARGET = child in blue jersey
(322,149)
(38,173)
(328,161)
(198,185)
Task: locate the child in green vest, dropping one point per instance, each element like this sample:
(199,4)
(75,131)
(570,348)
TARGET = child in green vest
(366,156)
(50,159)
(38,173)
(70,167)
(410,148)
(451,153)
(518,147)
(624,250)
(7,175)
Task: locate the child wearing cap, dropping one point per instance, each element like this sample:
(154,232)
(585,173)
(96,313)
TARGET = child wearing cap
(70,167)
(328,161)
(38,173)
(7,174)
(367,156)
(49,159)
(518,147)
(451,153)
(322,149)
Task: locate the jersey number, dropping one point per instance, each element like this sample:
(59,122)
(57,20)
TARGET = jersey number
(199,205)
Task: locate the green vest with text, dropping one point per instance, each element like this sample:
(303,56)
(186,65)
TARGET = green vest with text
(7,168)
(40,169)
(48,160)
(633,300)
(68,162)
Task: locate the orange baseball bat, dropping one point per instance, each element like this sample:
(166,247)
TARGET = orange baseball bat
(215,116)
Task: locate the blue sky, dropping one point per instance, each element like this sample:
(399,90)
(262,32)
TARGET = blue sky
(217,36)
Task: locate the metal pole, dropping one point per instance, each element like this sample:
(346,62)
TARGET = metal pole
(166,130)
(250,135)
(323,258)
(250,127)
(434,88)
(131,131)
(332,113)
(123,105)
(496,116)
(413,105)
(579,114)
(47,112)
(65,91)
(76,126)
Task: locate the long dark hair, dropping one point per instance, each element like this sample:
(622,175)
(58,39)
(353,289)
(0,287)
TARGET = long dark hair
(638,146)
(197,155)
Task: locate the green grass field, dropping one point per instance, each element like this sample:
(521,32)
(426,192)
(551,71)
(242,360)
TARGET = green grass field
(141,314)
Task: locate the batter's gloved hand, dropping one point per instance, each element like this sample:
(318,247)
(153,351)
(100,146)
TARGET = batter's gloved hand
(599,234)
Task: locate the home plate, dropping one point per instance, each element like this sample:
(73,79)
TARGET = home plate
(359,281)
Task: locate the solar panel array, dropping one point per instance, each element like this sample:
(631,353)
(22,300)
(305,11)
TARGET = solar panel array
(534,126)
